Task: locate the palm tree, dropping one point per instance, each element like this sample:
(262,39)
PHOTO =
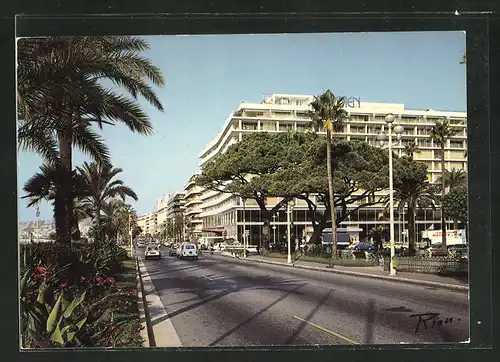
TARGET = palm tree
(61,97)
(453,178)
(114,219)
(411,149)
(412,190)
(328,113)
(378,233)
(440,134)
(100,187)
(45,185)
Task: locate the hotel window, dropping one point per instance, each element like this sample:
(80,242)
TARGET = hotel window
(424,131)
(374,130)
(279,114)
(286,127)
(425,142)
(303,127)
(408,119)
(456,144)
(457,121)
(249,126)
(359,118)
(357,129)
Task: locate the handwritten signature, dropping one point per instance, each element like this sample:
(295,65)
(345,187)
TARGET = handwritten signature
(432,318)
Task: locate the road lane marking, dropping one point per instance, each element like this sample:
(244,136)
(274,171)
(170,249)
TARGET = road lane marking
(338,335)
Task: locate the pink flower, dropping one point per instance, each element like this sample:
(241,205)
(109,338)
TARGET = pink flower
(40,269)
(63,285)
(132,292)
(109,280)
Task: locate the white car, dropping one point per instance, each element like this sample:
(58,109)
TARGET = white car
(152,251)
(187,250)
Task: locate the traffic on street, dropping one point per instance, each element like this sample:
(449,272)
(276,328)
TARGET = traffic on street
(223,301)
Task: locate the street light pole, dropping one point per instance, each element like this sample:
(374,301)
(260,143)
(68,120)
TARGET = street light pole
(274,229)
(37,224)
(130,236)
(389,119)
(289,208)
(244,227)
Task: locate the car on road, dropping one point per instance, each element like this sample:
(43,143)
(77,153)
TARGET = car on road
(187,250)
(152,251)
(459,250)
(172,251)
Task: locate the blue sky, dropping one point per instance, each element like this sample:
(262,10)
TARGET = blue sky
(208,76)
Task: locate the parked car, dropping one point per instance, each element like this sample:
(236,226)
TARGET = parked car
(172,250)
(363,246)
(187,250)
(459,250)
(434,250)
(152,251)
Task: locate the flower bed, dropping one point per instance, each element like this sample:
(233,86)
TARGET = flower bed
(80,296)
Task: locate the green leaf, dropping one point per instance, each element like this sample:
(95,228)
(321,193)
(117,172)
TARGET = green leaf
(31,322)
(74,303)
(65,329)
(56,336)
(53,317)
(42,290)
(24,280)
(81,322)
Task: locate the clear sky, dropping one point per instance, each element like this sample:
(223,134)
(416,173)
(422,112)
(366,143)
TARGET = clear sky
(208,76)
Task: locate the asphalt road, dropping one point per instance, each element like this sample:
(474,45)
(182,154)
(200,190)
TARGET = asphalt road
(219,301)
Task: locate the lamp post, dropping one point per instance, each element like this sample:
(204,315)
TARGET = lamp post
(244,226)
(37,224)
(274,228)
(289,210)
(389,119)
(130,236)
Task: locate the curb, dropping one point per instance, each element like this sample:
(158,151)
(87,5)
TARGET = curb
(142,314)
(456,287)
(160,325)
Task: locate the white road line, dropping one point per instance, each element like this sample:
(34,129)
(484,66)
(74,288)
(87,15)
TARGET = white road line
(164,331)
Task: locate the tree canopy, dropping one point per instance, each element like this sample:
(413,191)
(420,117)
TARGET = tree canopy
(293,165)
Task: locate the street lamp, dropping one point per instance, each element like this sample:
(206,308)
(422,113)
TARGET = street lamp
(381,137)
(289,210)
(244,236)
(37,224)
(274,228)
(130,236)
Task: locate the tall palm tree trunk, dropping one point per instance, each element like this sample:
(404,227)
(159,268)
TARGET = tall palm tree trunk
(98,222)
(330,190)
(65,151)
(443,193)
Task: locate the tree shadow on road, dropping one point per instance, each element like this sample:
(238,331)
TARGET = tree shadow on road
(231,331)
(302,325)
(193,286)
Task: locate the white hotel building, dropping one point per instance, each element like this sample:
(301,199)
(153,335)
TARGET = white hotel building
(222,214)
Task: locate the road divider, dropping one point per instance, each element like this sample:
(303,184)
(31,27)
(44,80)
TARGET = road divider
(329,331)
(158,320)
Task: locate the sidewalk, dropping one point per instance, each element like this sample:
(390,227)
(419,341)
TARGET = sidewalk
(369,272)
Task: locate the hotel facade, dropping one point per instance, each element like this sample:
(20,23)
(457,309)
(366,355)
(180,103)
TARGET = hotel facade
(223,215)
